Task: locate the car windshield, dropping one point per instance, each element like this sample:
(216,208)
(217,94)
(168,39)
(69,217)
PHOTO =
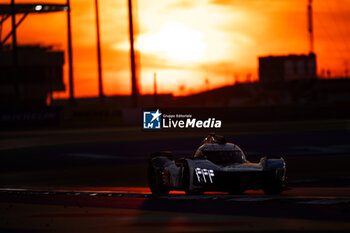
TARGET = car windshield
(224,157)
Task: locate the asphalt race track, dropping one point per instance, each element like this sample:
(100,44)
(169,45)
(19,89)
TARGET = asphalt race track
(120,209)
(95,181)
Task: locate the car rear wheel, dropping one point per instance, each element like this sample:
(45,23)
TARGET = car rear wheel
(277,185)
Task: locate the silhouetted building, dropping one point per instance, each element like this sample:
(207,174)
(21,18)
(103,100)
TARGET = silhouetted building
(285,68)
(39,73)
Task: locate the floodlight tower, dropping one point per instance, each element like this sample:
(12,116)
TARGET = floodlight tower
(310,27)
(70,55)
(135,91)
(100,84)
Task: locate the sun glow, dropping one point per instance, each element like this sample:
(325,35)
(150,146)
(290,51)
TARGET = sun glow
(174,40)
(189,42)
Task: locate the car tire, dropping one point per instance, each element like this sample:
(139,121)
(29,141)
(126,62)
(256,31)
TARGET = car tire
(276,186)
(155,180)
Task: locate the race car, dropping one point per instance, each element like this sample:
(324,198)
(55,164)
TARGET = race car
(215,166)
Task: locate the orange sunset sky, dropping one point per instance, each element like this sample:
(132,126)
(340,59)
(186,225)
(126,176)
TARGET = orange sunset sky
(189,42)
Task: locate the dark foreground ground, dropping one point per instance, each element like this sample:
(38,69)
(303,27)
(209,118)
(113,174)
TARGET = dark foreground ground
(120,209)
(77,181)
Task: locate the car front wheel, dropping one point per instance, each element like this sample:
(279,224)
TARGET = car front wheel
(155,180)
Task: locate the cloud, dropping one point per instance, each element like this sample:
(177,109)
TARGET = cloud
(182,5)
(263,5)
(238,3)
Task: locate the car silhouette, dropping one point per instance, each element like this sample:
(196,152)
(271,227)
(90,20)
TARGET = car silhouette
(215,166)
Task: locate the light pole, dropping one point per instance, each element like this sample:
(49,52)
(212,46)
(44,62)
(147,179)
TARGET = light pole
(155,93)
(135,90)
(14,52)
(100,84)
(310,28)
(70,56)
